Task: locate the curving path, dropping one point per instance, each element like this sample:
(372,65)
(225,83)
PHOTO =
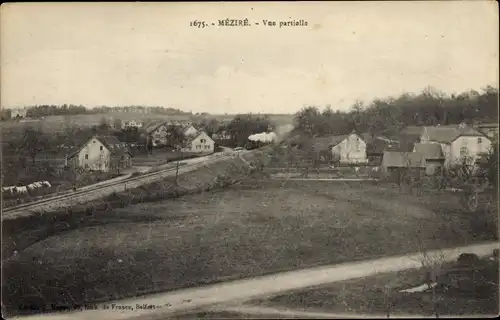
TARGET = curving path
(183,301)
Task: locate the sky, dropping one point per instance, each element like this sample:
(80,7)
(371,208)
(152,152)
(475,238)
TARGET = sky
(148,54)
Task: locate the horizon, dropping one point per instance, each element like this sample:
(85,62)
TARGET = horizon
(131,54)
(446,95)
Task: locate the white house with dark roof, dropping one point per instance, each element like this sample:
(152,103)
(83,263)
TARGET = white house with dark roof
(457,142)
(348,148)
(199,143)
(101,153)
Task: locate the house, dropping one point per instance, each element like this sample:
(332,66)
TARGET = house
(18,113)
(458,142)
(200,143)
(375,147)
(132,124)
(189,130)
(350,148)
(101,153)
(347,149)
(396,162)
(158,132)
(433,156)
(223,135)
(489,129)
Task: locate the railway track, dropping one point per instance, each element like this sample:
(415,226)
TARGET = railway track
(89,194)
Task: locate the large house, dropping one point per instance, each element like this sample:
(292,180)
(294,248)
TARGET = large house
(101,153)
(458,142)
(199,143)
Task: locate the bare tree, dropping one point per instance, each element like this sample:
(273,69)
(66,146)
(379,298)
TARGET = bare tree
(432,263)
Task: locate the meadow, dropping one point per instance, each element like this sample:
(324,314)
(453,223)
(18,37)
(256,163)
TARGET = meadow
(252,228)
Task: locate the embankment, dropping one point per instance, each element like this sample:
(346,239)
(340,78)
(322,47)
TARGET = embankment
(18,234)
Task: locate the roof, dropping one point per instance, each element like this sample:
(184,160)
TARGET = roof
(187,127)
(192,138)
(429,150)
(326,142)
(449,133)
(152,126)
(378,145)
(487,125)
(403,159)
(412,130)
(111,143)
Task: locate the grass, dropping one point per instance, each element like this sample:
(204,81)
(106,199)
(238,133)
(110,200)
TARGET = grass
(254,228)
(366,296)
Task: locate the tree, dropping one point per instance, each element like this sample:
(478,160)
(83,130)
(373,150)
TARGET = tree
(103,124)
(177,140)
(244,125)
(33,142)
(488,165)
(307,120)
(117,123)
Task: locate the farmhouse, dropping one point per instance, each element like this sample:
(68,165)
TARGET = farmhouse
(457,142)
(200,143)
(350,148)
(101,153)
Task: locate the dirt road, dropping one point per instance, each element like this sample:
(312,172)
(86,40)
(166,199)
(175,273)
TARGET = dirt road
(180,301)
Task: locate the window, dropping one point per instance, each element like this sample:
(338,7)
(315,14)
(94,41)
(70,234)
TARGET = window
(100,148)
(203,140)
(86,156)
(479,140)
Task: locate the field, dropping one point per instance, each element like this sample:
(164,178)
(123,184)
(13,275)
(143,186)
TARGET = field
(366,296)
(51,124)
(253,228)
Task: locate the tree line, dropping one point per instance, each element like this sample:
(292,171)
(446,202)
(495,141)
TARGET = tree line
(38,111)
(389,115)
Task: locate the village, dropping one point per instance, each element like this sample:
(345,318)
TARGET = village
(158,164)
